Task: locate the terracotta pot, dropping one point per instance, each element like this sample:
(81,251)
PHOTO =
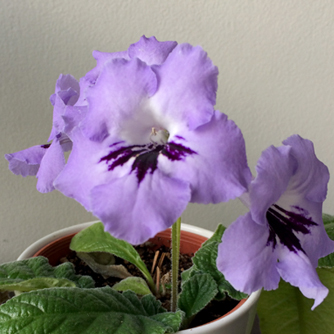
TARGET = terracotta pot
(238,321)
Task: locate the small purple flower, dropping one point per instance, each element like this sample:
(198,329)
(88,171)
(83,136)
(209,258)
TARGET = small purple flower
(283,234)
(151,140)
(46,161)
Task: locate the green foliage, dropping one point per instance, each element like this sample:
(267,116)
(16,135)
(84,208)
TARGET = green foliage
(135,284)
(328,261)
(196,293)
(205,262)
(37,273)
(95,239)
(287,311)
(77,311)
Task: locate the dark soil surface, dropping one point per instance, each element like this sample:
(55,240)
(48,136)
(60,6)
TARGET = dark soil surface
(160,258)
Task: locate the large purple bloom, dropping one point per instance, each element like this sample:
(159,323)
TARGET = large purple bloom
(283,234)
(151,140)
(46,161)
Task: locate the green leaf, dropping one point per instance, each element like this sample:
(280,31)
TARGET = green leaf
(287,311)
(77,311)
(37,273)
(135,284)
(171,320)
(187,274)
(205,261)
(217,235)
(196,293)
(328,261)
(328,219)
(106,270)
(95,239)
(38,283)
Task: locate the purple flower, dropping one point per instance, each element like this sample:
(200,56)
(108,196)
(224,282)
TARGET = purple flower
(46,161)
(151,140)
(283,234)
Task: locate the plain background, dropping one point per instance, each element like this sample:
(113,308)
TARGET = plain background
(276,63)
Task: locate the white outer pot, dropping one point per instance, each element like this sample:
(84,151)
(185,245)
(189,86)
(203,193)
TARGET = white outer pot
(238,322)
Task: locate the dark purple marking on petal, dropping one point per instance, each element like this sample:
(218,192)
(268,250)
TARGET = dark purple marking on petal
(145,156)
(145,162)
(283,224)
(46,146)
(175,151)
(179,137)
(118,142)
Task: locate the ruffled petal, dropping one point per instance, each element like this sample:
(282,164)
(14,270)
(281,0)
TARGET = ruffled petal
(218,170)
(274,171)
(151,51)
(66,94)
(72,118)
(110,103)
(136,212)
(286,202)
(245,258)
(26,162)
(91,77)
(304,195)
(51,165)
(83,170)
(187,86)
(312,176)
(297,269)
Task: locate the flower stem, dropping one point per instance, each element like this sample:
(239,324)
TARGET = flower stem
(176,234)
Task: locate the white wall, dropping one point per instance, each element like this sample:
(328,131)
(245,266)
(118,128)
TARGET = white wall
(276,62)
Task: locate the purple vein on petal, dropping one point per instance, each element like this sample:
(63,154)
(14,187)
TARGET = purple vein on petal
(145,156)
(283,223)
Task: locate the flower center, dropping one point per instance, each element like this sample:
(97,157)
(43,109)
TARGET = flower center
(284,223)
(159,136)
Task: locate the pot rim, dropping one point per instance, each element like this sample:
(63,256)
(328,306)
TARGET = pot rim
(226,319)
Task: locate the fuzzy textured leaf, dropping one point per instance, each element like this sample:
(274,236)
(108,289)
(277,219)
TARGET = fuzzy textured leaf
(196,293)
(287,311)
(106,270)
(38,283)
(95,239)
(135,284)
(205,261)
(328,261)
(78,311)
(37,273)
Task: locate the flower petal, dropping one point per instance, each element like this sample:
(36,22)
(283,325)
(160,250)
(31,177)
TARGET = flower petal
(136,212)
(187,86)
(218,171)
(110,101)
(305,193)
(151,51)
(274,171)
(51,165)
(66,94)
(26,162)
(83,170)
(90,78)
(297,269)
(312,175)
(245,258)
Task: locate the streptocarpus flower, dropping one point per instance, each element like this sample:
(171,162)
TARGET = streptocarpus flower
(152,141)
(283,234)
(46,161)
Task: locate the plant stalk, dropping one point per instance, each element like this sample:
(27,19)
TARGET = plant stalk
(176,234)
